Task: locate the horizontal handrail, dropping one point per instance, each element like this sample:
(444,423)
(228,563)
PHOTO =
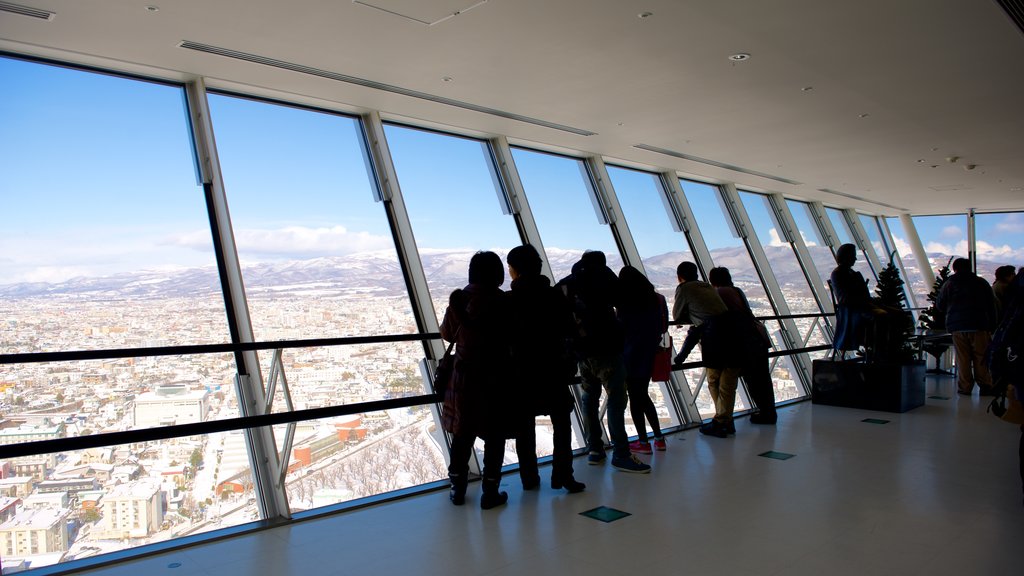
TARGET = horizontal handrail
(764,318)
(208,427)
(109,354)
(246,422)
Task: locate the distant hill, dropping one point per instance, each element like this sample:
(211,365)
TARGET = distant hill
(380,272)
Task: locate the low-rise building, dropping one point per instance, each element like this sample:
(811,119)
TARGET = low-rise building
(170,404)
(133,510)
(34,531)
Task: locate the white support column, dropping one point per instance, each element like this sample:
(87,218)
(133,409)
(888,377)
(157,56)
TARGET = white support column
(917,248)
(828,233)
(616,220)
(911,297)
(682,218)
(790,331)
(860,237)
(271,497)
(509,175)
(784,218)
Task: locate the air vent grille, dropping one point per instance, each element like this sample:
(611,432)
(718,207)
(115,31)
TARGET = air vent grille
(851,196)
(26,11)
(715,163)
(1015,10)
(228,53)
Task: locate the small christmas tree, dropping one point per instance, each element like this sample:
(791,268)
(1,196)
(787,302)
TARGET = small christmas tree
(892,298)
(930,318)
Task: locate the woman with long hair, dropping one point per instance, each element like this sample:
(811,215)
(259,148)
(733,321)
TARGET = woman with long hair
(644,316)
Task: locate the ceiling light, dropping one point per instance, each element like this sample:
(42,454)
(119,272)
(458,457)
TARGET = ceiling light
(153,8)
(447,79)
(1016,189)
(645,15)
(865,115)
(952,159)
(739,57)
(920,160)
(807,88)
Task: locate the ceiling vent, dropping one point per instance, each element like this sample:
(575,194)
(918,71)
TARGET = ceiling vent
(228,53)
(675,154)
(1015,10)
(860,199)
(26,11)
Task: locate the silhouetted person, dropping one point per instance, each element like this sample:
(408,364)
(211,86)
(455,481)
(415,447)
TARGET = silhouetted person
(593,291)
(543,366)
(475,404)
(853,301)
(969,307)
(1000,287)
(644,316)
(756,370)
(698,303)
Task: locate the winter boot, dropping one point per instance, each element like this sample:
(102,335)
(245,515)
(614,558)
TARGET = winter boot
(457,492)
(491,496)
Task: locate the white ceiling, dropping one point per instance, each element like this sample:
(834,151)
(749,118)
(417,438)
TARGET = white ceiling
(935,78)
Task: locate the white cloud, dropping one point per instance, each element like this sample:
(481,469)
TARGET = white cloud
(775,240)
(293,241)
(1004,253)
(809,243)
(952,232)
(1011,224)
(958,249)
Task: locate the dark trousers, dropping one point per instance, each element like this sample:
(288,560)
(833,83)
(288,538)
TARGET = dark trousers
(1021,455)
(641,408)
(561,456)
(758,378)
(462,449)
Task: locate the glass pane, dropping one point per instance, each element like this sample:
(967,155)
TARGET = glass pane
(102,500)
(342,459)
(454,202)
(870,225)
(821,254)
(1000,242)
(730,252)
(661,248)
(918,286)
(456,206)
(317,254)
(842,229)
(106,241)
(563,205)
(944,238)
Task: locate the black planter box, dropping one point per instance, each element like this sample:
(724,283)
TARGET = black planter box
(876,386)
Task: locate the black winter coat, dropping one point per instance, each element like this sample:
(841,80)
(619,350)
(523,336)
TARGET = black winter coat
(475,401)
(967,303)
(541,327)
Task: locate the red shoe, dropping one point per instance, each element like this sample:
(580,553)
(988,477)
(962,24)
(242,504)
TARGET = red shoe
(639,447)
(659,444)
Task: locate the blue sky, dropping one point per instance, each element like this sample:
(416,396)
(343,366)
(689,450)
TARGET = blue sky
(97,177)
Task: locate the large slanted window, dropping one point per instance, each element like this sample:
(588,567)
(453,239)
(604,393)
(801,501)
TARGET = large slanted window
(106,245)
(917,285)
(821,254)
(661,248)
(842,228)
(788,272)
(566,209)
(999,240)
(319,261)
(457,207)
(944,237)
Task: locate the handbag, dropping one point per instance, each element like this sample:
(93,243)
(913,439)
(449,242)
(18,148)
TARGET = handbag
(662,370)
(445,370)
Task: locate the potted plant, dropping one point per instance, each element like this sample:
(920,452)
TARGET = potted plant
(936,340)
(888,376)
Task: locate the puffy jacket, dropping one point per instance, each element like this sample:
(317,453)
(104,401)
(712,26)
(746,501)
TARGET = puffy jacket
(968,303)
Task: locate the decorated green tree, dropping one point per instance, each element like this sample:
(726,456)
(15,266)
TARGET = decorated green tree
(892,298)
(930,319)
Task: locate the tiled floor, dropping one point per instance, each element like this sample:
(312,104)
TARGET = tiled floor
(934,491)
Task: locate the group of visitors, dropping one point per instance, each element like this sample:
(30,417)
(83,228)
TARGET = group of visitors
(518,352)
